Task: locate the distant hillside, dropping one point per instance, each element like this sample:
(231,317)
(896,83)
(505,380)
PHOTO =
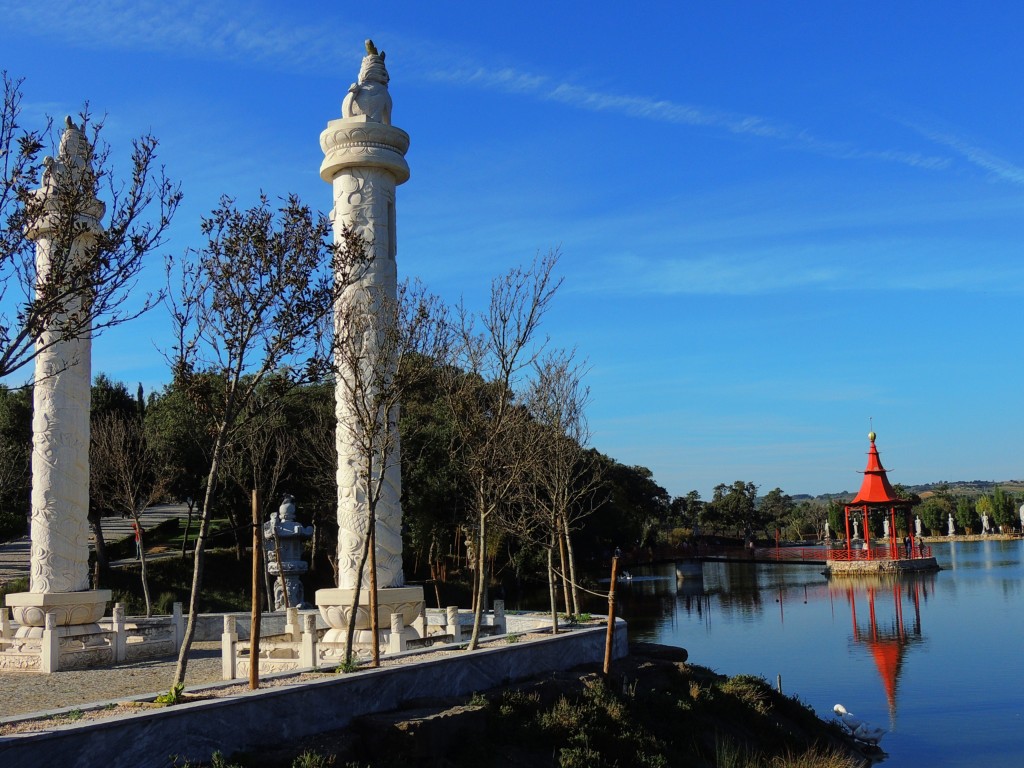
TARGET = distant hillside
(954,488)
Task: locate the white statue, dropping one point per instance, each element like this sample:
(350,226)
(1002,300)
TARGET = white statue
(917,526)
(1022,518)
(984,525)
(952,527)
(369,95)
(885,527)
(828,533)
(856,530)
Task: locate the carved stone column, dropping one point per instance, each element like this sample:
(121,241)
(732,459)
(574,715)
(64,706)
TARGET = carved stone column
(364,161)
(60,420)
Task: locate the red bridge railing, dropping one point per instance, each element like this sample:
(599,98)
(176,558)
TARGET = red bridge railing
(877,553)
(819,554)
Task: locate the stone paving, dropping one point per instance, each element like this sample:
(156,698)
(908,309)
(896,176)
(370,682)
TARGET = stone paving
(26,692)
(14,555)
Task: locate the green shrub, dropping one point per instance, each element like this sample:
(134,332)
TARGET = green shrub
(13,586)
(518,701)
(164,603)
(349,665)
(310,759)
(172,697)
(578,757)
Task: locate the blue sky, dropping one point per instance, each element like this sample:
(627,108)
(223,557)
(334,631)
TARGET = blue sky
(777,220)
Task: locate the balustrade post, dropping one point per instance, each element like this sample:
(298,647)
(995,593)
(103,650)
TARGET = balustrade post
(51,645)
(229,650)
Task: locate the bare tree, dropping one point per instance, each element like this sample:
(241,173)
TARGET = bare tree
(105,270)
(490,356)
(376,339)
(259,458)
(566,475)
(126,475)
(248,307)
(317,462)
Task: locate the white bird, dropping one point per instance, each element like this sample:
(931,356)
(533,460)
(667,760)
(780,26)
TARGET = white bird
(860,730)
(848,719)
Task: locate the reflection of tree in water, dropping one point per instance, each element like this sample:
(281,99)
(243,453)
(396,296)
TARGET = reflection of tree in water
(734,589)
(1011,587)
(641,608)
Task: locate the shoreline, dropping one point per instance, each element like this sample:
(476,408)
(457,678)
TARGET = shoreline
(652,695)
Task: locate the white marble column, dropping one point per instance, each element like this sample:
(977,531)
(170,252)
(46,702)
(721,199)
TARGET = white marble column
(59,581)
(364,161)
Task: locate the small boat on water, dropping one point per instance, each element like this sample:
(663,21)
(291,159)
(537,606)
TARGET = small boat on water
(860,730)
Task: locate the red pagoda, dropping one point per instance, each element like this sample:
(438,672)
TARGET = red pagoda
(876,492)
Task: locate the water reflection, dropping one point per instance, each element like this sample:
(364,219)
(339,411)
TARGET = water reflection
(934,649)
(883,631)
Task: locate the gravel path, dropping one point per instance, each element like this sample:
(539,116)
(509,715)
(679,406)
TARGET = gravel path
(26,692)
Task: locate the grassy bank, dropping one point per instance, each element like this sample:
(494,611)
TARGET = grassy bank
(654,710)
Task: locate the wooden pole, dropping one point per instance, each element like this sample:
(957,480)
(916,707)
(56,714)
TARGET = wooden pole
(610,636)
(257,568)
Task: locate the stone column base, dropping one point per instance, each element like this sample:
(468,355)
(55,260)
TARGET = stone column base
(69,608)
(336,609)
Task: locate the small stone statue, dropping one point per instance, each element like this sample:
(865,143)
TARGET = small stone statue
(917,526)
(951,525)
(284,537)
(369,95)
(856,530)
(984,525)
(828,533)
(885,528)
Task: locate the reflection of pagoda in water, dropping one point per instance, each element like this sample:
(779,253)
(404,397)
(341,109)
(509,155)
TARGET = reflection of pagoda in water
(886,635)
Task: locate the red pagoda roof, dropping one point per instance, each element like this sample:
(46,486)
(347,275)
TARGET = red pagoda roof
(876,488)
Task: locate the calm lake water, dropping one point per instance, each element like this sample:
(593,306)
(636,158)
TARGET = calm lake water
(937,659)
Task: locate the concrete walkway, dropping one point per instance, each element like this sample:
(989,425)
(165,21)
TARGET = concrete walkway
(14,555)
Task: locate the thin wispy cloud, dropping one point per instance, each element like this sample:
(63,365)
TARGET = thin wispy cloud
(778,270)
(214,30)
(997,166)
(708,275)
(510,80)
(208,30)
